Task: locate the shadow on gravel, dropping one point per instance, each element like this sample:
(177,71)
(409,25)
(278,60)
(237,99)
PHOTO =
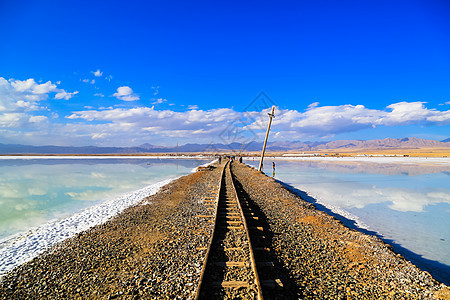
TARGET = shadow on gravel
(290,288)
(439,271)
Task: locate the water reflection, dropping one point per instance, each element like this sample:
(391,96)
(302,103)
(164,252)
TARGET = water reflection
(32,192)
(409,169)
(356,185)
(352,194)
(406,204)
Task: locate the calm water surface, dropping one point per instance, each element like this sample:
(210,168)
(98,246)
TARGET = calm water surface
(36,191)
(408,205)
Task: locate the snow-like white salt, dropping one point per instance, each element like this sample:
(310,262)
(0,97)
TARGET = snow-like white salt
(204,165)
(24,247)
(338,210)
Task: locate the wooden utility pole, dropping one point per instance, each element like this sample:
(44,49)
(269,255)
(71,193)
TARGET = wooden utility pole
(271,115)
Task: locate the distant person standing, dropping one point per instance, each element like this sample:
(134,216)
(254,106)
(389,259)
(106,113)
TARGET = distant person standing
(273,169)
(220,160)
(240,159)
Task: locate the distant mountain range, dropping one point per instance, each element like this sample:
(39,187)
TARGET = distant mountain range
(388,143)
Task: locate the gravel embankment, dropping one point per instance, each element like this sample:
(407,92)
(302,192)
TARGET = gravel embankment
(327,260)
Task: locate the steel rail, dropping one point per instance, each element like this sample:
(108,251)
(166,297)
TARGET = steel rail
(213,232)
(252,256)
(245,231)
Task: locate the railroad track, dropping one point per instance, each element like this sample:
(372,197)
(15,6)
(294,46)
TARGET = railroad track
(230,270)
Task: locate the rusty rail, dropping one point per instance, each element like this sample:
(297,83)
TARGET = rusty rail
(217,248)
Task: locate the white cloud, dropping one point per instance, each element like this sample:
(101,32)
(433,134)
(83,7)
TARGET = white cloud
(31,86)
(159,101)
(97,136)
(19,99)
(97,73)
(11,120)
(312,105)
(37,119)
(405,113)
(156,90)
(144,122)
(193,107)
(65,95)
(99,95)
(321,121)
(21,123)
(125,93)
(88,81)
(25,95)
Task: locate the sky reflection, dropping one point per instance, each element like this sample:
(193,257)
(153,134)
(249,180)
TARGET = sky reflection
(33,192)
(408,204)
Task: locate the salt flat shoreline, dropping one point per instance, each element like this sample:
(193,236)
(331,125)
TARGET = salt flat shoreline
(373,159)
(100,157)
(151,251)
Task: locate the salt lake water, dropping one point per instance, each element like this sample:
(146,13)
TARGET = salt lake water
(45,200)
(406,202)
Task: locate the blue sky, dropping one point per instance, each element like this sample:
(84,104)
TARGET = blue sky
(124,73)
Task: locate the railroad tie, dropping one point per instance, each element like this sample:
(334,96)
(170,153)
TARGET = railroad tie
(231,227)
(232,264)
(231,284)
(228,217)
(233,222)
(231,242)
(233,249)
